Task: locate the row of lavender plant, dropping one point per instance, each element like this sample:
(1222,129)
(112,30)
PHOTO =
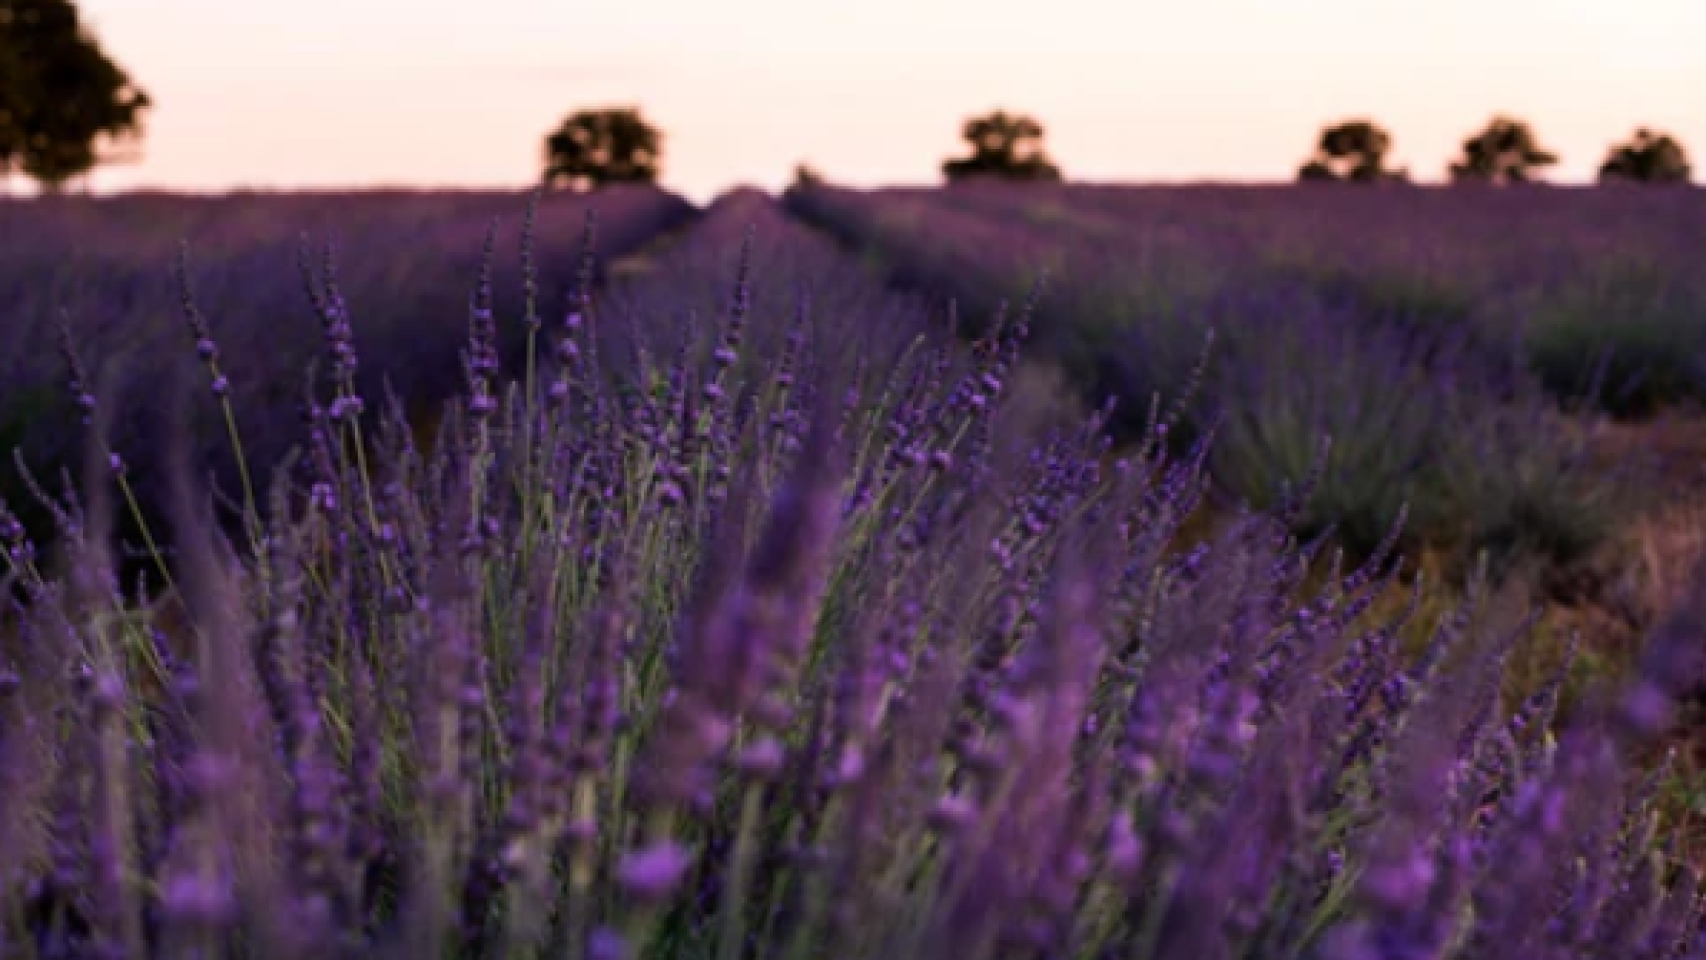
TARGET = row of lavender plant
(791,641)
(1416,413)
(116,271)
(1594,290)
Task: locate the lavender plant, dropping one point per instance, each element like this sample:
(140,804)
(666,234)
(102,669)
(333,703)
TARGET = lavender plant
(801,635)
(1626,337)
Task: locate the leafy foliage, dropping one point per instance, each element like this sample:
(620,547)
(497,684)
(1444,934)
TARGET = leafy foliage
(1506,151)
(592,148)
(1003,145)
(59,94)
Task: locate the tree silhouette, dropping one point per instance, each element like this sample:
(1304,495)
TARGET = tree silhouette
(1354,150)
(1506,151)
(1003,145)
(805,175)
(595,147)
(59,94)
(1647,157)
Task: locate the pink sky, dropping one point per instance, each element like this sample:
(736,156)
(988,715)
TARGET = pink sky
(325,93)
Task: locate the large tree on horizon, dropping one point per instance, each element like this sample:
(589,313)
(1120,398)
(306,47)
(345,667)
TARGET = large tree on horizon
(1647,157)
(1505,151)
(1353,150)
(60,95)
(1009,146)
(609,145)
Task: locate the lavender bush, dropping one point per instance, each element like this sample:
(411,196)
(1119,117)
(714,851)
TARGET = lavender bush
(796,637)
(1627,337)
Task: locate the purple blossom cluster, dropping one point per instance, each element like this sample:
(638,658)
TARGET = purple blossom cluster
(758,616)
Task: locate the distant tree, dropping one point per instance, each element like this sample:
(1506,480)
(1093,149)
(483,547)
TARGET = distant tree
(1354,150)
(59,94)
(595,147)
(1003,145)
(1506,151)
(806,176)
(1647,157)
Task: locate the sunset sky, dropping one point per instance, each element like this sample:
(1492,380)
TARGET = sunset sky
(414,92)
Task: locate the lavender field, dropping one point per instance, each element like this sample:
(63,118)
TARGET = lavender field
(1520,371)
(114,271)
(774,580)
(1423,329)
